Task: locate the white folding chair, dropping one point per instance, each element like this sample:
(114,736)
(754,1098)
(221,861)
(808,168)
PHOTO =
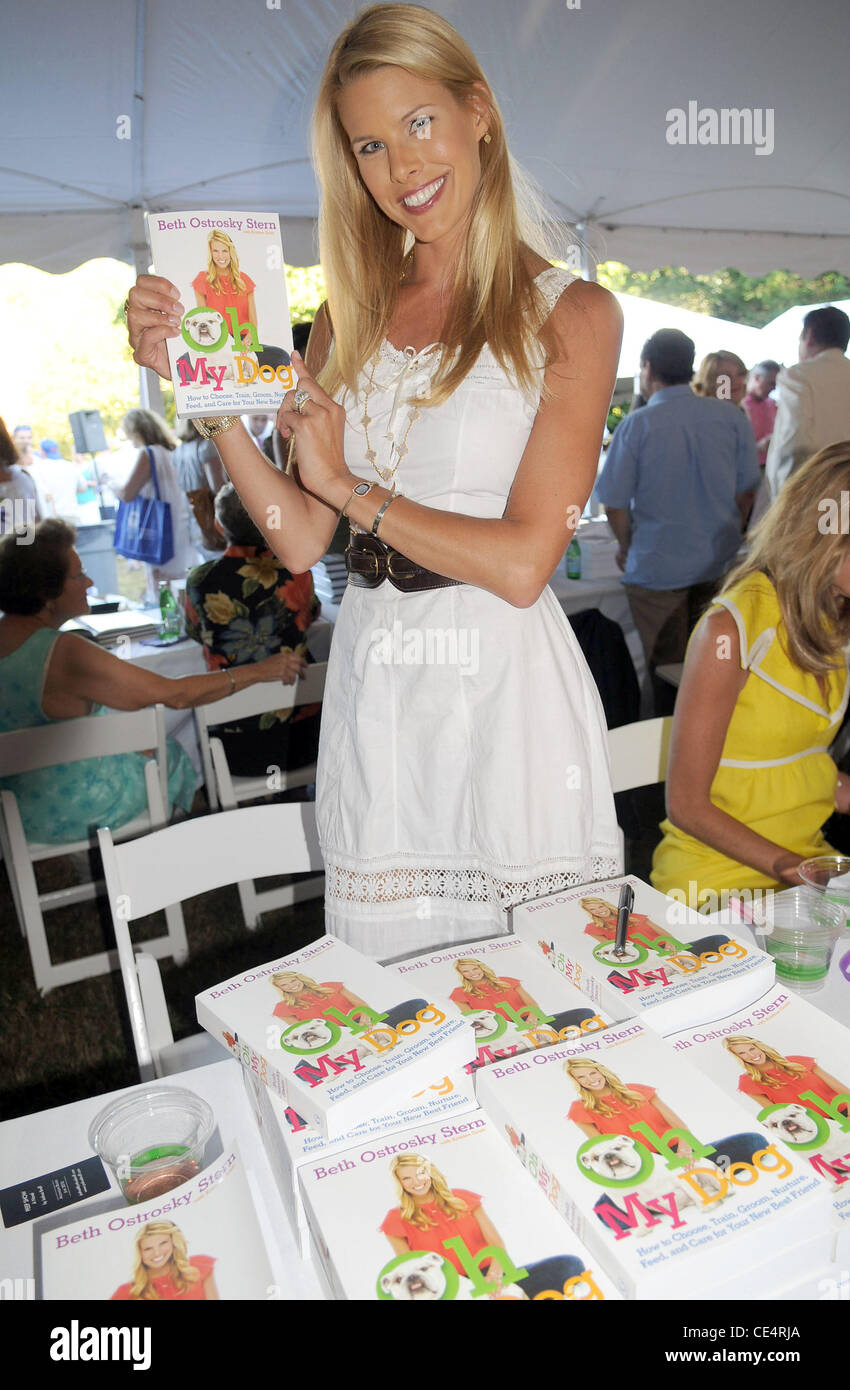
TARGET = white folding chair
(222,787)
(161,870)
(639,755)
(70,741)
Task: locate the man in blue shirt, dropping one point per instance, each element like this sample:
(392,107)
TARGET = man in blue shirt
(677,485)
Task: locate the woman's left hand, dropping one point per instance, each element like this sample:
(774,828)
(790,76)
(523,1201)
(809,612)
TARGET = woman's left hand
(319,430)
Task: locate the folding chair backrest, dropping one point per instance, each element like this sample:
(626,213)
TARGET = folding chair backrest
(639,753)
(245,704)
(71,740)
(196,856)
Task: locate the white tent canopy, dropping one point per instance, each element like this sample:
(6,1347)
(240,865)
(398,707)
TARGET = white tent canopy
(114,106)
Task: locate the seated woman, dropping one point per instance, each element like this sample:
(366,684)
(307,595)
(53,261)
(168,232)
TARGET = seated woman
(46,675)
(764,689)
(242,607)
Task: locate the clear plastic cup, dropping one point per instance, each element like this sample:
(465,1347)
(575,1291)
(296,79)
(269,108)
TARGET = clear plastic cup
(153,1139)
(800,936)
(816,873)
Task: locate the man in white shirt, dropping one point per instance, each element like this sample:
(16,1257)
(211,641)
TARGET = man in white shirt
(814,396)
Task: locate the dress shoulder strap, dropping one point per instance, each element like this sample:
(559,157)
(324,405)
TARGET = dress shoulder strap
(551,283)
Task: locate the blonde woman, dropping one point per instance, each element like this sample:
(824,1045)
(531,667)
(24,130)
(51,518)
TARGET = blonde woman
(302,997)
(721,374)
(772,1077)
(164,1271)
(452,407)
(224,286)
(482,988)
(429,1212)
(763,694)
(607,1105)
(156,444)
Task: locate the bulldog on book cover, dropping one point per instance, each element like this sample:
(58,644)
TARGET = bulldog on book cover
(677,1189)
(676,968)
(197,1243)
(512,999)
(442,1213)
(335,1034)
(789,1063)
(233,352)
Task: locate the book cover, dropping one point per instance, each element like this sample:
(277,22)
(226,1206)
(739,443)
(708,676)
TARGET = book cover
(199,1242)
(337,1036)
(677,968)
(233,352)
(442,1213)
(674,1187)
(291,1143)
(790,1065)
(510,996)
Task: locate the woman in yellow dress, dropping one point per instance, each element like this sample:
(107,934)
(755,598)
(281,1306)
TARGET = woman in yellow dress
(763,694)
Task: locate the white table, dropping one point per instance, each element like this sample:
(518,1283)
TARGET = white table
(51,1139)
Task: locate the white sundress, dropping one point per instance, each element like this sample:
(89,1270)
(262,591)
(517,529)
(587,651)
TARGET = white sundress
(463,761)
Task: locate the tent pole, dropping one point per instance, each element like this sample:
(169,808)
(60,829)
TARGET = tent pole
(587,263)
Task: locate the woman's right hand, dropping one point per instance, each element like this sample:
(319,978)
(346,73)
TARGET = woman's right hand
(283,666)
(154,313)
(785,867)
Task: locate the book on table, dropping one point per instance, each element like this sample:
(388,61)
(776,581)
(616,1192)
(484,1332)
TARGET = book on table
(197,1242)
(508,993)
(232,354)
(676,969)
(675,1188)
(337,1036)
(442,1213)
(789,1064)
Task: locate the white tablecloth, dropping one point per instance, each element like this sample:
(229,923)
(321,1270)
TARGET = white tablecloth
(51,1139)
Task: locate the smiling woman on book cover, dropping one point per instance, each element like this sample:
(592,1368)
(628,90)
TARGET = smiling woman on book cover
(164,1271)
(224,286)
(772,1077)
(302,998)
(482,988)
(430,1212)
(451,408)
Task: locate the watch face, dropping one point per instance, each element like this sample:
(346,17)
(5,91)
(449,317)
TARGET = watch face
(362,488)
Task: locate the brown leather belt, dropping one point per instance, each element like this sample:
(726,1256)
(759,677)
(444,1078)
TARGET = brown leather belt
(369,562)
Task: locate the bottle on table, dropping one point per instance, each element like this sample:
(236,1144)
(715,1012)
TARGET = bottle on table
(574,559)
(169,630)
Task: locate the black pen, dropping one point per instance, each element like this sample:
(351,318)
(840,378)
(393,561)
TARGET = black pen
(624,907)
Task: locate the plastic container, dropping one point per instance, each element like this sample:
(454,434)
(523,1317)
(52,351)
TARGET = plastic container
(153,1139)
(801,935)
(816,873)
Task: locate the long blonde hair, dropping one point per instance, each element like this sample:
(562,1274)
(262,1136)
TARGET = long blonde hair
(469,986)
(213,272)
(800,557)
(593,1102)
(444,1198)
(311,986)
(494,299)
(772,1055)
(711,368)
(182,1272)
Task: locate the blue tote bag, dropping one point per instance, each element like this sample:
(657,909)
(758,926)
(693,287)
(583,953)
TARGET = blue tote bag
(143,526)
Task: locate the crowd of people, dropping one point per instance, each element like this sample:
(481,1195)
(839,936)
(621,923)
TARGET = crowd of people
(485,373)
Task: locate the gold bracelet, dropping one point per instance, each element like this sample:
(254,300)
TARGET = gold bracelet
(359,490)
(220,425)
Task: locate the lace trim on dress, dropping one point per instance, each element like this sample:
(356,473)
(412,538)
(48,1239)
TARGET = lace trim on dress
(461,885)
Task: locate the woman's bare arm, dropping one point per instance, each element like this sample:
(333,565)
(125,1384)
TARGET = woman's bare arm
(711,683)
(515,555)
(79,670)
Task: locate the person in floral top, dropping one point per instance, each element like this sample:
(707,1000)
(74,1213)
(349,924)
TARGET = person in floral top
(244,607)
